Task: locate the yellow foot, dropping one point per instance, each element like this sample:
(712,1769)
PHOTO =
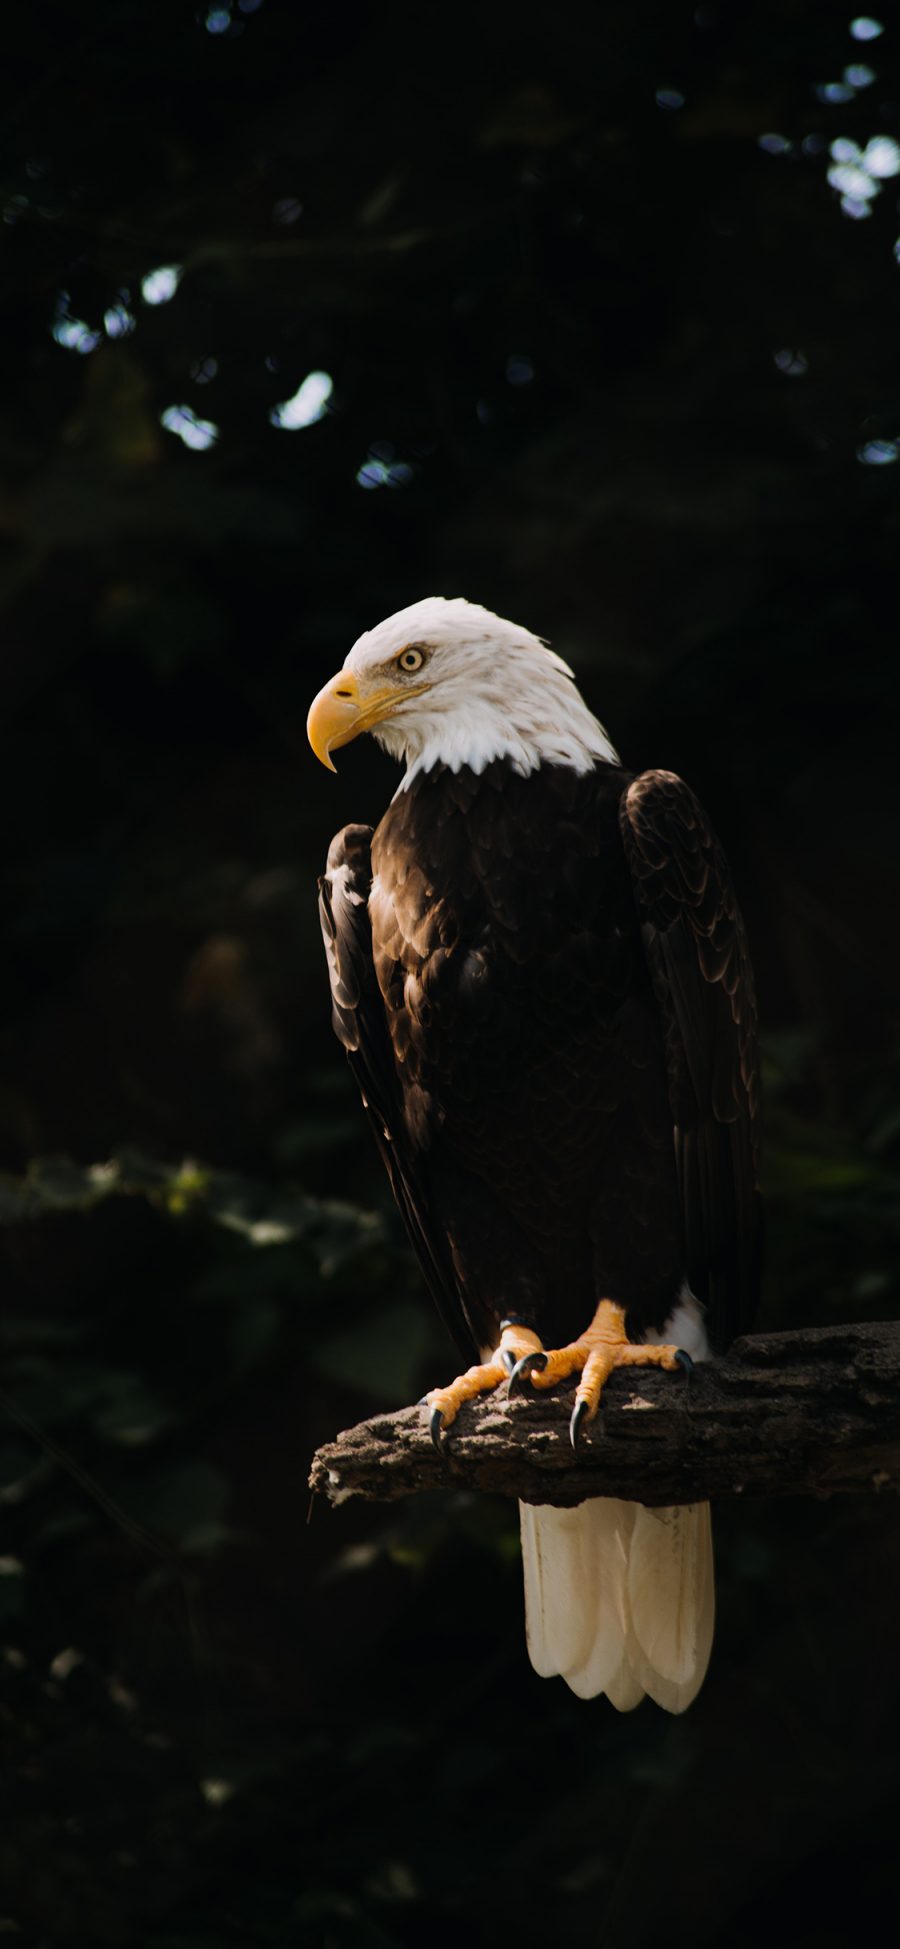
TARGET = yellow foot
(594,1355)
(517,1343)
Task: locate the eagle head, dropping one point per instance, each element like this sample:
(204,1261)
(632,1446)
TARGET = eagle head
(446,681)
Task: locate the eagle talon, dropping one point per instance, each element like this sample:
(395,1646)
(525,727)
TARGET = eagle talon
(580,1414)
(684,1360)
(530,1363)
(435,1424)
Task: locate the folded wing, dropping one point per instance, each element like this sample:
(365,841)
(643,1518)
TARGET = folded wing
(696,949)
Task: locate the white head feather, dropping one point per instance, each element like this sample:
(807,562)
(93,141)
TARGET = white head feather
(494,690)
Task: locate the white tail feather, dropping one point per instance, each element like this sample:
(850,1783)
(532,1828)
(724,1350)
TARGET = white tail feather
(671,1602)
(557,1556)
(608,1535)
(620,1599)
(625,1691)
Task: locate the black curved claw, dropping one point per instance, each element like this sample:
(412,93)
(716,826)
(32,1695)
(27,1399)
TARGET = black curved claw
(530,1363)
(508,1359)
(684,1360)
(435,1424)
(580,1414)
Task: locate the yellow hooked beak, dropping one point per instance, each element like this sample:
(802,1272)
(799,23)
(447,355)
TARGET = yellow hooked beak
(341,712)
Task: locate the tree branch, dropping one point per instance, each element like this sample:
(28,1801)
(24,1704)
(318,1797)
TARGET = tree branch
(813,1412)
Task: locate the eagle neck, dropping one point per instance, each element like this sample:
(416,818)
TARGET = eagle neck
(569,737)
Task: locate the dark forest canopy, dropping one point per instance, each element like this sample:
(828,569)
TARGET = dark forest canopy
(591,315)
(607,349)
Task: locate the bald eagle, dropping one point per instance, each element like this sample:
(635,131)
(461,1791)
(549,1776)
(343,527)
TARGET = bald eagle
(540,976)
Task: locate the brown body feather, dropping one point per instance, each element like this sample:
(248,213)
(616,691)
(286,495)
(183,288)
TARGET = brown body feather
(543,987)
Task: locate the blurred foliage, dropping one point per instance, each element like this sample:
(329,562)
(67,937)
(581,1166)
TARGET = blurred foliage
(613,350)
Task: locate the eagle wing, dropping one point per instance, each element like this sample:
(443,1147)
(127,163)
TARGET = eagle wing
(358,1015)
(699,962)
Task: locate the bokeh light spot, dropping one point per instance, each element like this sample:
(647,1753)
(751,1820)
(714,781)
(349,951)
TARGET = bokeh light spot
(864,28)
(73,334)
(878,453)
(857,174)
(160,285)
(843,150)
(669,98)
(372,473)
(381,469)
(833,93)
(859,76)
(774,145)
(288,209)
(791,361)
(881,156)
(519,370)
(307,404)
(193,432)
(218,20)
(118,321)
(851,180)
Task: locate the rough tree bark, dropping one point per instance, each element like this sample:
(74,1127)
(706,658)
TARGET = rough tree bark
(813,1412)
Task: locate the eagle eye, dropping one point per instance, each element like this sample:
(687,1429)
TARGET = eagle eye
(411,658)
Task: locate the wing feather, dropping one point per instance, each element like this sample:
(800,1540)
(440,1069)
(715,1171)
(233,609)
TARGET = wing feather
(359,1023)
(696,949)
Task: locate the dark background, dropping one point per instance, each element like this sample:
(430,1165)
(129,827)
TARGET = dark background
(608,354)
